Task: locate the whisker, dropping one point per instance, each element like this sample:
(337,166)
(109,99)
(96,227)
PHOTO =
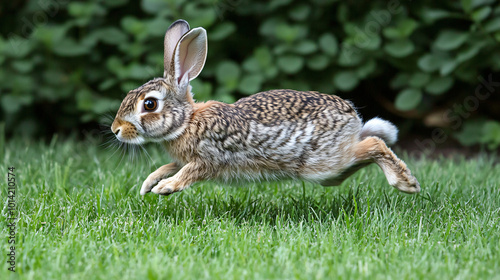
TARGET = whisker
(116,145)
(123,149)
(110,140)
(150,161)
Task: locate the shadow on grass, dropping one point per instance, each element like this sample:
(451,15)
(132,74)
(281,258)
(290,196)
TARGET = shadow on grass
(248,206)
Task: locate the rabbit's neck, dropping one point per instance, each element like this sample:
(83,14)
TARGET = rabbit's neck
(184,147)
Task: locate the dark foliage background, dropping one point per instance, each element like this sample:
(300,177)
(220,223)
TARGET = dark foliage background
(66,65)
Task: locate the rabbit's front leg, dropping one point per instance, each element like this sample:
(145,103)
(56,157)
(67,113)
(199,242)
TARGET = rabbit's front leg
(155,177)
(189,174)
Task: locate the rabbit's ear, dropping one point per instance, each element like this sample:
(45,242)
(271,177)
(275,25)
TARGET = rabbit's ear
(172,37)
(190,55)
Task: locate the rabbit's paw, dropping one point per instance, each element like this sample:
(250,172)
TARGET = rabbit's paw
(149,183)
(408,185)
(167,186)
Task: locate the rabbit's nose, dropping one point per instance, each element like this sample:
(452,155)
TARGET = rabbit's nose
(116,126)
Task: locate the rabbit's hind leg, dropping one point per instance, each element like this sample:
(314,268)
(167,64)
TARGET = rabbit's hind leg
(374,149)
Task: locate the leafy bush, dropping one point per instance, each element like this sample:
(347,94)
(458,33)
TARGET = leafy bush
(67,63)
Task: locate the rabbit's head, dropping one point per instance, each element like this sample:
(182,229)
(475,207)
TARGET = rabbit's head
(160,109)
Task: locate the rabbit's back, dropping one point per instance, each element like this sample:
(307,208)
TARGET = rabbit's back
(274,106)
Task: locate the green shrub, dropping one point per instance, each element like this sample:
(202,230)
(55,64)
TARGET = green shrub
(66,64)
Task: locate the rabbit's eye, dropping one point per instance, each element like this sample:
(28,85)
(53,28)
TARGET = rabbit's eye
(150,104)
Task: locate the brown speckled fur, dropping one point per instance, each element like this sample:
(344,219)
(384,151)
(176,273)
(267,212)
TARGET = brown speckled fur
(269,135)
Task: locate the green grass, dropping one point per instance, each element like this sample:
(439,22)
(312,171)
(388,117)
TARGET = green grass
(81,217)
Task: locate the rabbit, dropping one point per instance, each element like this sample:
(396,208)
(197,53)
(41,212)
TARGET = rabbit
(270,135)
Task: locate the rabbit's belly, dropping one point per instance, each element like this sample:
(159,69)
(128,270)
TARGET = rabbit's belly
(287,150)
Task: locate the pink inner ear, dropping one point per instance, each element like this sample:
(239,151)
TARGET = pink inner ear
(182,62)
(182,75)
(179,80)
(190,55)
(183,54)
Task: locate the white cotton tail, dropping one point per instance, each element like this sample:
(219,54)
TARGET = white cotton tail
(380,128)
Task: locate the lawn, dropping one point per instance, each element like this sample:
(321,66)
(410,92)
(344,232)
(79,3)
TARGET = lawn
(81,217)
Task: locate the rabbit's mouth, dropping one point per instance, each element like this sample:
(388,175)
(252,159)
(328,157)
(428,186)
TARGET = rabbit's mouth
(126,132)
(136,140)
